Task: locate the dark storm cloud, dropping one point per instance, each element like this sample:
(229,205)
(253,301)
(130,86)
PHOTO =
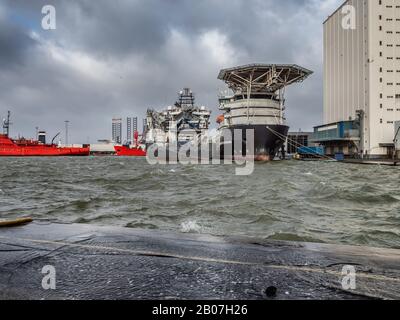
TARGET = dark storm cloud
(14,45)
(117,58)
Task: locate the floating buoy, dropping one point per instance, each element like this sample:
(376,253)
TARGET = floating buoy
(14,222)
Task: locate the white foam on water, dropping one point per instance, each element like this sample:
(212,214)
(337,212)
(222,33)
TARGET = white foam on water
(190,226)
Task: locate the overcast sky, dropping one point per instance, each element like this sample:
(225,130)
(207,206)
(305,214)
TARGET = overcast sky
(119,57)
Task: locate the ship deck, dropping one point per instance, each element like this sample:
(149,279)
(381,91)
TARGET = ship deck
(94,262)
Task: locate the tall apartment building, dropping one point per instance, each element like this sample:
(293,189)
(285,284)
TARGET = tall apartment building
(362,76)
(117,130)
(131,128)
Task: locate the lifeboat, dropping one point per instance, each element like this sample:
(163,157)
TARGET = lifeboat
(220,119)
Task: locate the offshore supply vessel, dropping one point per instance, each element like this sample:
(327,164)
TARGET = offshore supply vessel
(179,124)
(256,101)
(33,148)
(128,150)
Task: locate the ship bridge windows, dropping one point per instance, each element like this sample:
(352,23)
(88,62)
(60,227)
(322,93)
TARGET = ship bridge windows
(257,96)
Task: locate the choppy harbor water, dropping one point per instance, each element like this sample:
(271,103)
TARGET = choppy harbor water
(290,200)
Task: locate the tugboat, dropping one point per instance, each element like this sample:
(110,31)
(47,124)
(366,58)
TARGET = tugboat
(257,102)
(137,150)
(34,148)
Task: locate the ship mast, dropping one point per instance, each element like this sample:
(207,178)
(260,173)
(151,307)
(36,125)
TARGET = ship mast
(186,99)
(6,124)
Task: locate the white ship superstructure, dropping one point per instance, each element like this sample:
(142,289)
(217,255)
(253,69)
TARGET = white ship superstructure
(180,123)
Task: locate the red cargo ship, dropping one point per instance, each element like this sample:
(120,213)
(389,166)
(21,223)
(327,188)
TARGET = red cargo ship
(135,151)
(33,148)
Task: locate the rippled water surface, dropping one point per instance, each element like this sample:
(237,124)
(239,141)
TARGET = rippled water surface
(312,201)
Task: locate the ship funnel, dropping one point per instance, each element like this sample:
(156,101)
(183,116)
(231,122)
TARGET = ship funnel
(42,137)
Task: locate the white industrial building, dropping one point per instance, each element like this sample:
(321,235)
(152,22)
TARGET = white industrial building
(362,77)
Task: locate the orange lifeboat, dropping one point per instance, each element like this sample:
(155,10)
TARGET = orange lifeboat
(220,119)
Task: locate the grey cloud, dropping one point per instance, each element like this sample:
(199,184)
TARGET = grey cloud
(14,45)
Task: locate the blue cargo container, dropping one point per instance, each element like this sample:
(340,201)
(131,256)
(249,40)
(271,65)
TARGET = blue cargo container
(339,156)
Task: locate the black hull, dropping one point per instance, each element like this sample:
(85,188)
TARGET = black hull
(268,140)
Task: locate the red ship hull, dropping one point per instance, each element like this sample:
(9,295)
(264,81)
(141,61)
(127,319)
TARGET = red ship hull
(124,151)
(10,148)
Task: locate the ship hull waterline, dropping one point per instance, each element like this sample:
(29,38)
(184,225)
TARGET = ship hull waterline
(123,151)
(81,152)
(268,140)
